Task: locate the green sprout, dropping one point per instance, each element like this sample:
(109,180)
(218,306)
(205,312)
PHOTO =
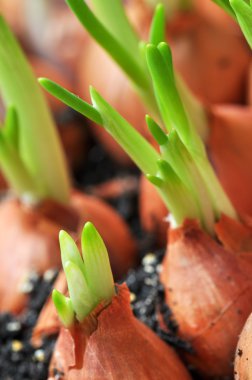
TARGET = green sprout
(241,11)
(30,151)
(11,163)
(111,29)
(181,171)
(89,276)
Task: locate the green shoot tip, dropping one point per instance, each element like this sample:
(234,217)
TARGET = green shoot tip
(156,181)
(90,281)
(156,131)
(64,308)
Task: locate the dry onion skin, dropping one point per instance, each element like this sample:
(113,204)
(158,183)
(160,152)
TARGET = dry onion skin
(243,367)
(101,337)
(229,145)
(152,210)
(210,296)
(28,243)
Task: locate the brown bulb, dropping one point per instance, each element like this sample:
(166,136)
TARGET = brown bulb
(210,296)
(229,147)
(28,242)
(112,342)
(212,60)
(153,212)
(29,239)
(243,355)
(249,81)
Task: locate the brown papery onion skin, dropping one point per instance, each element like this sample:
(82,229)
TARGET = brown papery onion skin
(235,235)
(153,212)
(29,240)
(210,295)
(249,81)
(243,355)
(229,147)
(212,60)
(213,13)
(114,345)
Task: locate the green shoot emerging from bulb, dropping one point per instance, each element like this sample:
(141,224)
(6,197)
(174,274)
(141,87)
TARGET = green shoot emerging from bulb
(89,276)
(241,11)
(181,171)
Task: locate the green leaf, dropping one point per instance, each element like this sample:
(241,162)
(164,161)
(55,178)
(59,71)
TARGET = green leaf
(195,111)
(126,61)
(83,300)
(90,281)
(159,61)
(156,181)
(12,165)
(140,151)
(157,29)
(175,194)
(69,251)
(15,171)
(186,169)
(10,130)
(112,15)
(243,12)
(71,100)
(40,149)
(64,308)
(156,131)
(220,201)
(98,272)
(166,54)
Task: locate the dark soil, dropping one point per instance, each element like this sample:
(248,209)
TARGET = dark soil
(19,359)
(148,301)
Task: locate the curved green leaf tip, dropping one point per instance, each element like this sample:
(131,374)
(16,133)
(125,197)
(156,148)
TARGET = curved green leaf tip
(156,131)
(157,29)
(89,276)
(64,308)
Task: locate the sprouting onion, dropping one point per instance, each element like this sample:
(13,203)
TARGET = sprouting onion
(88,275)
(31,155)
(181,171)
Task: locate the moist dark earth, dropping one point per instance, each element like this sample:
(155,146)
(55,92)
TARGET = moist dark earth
(19,360)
